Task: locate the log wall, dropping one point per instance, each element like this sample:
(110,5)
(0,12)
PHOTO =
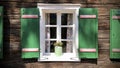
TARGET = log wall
(12,46)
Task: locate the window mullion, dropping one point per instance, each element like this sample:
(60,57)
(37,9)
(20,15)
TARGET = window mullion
(58,26)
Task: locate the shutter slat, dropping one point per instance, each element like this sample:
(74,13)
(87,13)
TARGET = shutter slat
(88,30)
(88,16)
(30,32)
(1,32)
(115,50)
(87,50)
(29,16)
(114,34)
(30,49)
(115,17)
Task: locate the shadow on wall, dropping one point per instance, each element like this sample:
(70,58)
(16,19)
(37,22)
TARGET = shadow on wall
(11,32)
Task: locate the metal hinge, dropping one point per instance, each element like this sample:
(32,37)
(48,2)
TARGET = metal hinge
(75,58)
(43,58)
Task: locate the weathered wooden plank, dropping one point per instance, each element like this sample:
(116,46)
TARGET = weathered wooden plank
(103,21)
(93,1)
(103,11)
(14,38)
(110,1)
(34,4)
(103,44)
(99,5)
(14,11)
(14,21)
(15,26)
(13,5)
(104,26)
(103,54)
(110,65)
(104,17)
(10,0)
(103,1)
(81,1)
(14,46)
(22,1)
(12,33)
(103,57)
(103,34)
(12,16)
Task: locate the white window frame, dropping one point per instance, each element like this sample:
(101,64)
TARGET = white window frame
(74,8)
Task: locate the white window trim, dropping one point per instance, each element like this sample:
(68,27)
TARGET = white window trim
(57,7)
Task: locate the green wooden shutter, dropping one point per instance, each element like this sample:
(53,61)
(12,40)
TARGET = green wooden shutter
(88,32)
(1,32)
(115,34)
(30,32)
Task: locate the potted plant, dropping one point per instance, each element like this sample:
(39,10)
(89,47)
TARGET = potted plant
(58,48)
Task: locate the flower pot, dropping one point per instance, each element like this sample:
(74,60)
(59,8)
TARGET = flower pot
(58,50)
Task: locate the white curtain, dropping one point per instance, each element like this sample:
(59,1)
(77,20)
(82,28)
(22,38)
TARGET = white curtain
(69,34)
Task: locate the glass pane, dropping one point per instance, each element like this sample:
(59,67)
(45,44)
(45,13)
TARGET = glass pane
(50,32)
(49,47)
(52,46)
(66,32)
(67,19)
(64,46)
(51,18)
(67,46)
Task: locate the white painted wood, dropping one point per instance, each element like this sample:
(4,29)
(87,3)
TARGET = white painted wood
(115,17)
(50,39)
(30,49)
(116,50)
(87,50)
(58,26)
(66,39)
(29,16)
(42,33)
(74,32)
(64,57)
(66,26)
(50,25)
(87,16)
(76,29)
(60,39)
(59,8)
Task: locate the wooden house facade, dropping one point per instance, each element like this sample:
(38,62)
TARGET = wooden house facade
(12,26)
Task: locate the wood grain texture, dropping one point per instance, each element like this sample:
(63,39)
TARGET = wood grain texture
(12,53)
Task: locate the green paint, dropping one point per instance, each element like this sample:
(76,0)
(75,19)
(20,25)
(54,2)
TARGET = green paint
(30,32)
(114,34)
(58,50)
(88,33)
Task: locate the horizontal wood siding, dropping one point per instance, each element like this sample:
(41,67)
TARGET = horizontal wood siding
(12,53)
